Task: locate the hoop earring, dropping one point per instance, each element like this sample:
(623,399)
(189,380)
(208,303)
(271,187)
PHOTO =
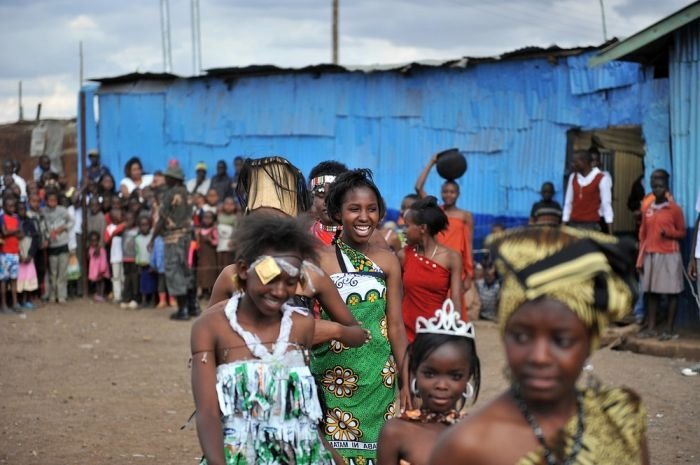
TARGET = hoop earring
(414,387)
(468,392)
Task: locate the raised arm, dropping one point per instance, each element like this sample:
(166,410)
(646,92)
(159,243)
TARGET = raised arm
(423,176)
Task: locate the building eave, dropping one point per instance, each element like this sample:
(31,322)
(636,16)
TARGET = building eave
(647,41)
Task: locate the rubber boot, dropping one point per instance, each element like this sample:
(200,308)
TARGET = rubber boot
(181,313)
(192,303)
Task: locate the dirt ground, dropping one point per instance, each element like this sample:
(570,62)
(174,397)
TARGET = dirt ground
(90,383)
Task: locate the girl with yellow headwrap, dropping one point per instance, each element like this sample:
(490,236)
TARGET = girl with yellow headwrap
(561,288)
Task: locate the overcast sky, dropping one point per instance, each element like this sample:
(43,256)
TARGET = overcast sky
(40,37)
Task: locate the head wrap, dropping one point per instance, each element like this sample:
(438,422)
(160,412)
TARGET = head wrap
(272,182)
(589,272)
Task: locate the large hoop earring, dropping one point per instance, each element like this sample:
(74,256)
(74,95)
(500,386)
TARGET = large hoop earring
(468,392)
(414,387)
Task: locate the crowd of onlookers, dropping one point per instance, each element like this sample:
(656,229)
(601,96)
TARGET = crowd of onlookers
(44,256)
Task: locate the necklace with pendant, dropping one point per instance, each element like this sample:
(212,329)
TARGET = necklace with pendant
(549,456)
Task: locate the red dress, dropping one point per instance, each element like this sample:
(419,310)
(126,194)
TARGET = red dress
(425,288)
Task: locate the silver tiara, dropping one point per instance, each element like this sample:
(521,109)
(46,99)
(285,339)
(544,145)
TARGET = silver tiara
(445,321)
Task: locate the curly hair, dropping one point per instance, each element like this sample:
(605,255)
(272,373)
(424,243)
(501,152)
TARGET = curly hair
(264,233)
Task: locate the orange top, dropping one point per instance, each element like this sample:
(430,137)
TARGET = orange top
(458,237)
(649,199)
(662,227)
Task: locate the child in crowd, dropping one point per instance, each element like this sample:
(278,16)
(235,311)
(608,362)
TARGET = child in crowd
(546,211)
(98,268)
(226,224)
(134,205)
(489,292)
(59,223)
(74,239)
(27,282)
(113,239)
(41,259)
(11,233)
(207,240)
(445,375)
(158,265)
(108,201)
(148,279)
(212,199)
(96,221)
(231,366)
(131,272)
(199,202)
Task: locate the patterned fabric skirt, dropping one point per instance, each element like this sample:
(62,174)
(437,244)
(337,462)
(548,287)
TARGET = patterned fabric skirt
(358,384)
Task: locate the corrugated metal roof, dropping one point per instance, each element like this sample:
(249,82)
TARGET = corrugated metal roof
(234,72)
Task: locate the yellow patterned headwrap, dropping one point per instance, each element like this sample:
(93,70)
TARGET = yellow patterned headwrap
(589,272)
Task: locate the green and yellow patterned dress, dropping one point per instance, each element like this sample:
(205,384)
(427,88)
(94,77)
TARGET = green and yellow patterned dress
(615,428)
(359,384)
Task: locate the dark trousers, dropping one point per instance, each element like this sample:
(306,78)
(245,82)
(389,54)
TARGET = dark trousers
(131,282)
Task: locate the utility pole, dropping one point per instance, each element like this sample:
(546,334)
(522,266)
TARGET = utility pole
(605,28)
(165,35)
(80,54)
(196,39)
(21,112)
(335,32)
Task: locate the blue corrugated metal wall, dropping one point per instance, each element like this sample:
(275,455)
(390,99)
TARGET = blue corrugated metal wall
(685,117)
(510,117)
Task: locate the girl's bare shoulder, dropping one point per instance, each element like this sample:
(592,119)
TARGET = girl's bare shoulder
(482,430)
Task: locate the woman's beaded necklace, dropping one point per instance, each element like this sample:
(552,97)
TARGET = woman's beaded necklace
(549,456)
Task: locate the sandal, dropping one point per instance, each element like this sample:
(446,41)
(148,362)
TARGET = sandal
(666,336)
(646,334)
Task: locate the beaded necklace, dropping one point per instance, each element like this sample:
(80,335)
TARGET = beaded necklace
(448,418)
(549,456)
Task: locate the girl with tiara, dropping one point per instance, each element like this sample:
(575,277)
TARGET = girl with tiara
(256,399)
(445,374)
(561,288)
(272,186)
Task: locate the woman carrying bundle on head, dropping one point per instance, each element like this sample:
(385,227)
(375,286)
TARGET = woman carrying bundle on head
(460,231)
(445,374)
(561,288)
